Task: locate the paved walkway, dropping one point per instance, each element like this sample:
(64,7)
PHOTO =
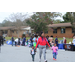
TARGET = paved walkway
(22,54)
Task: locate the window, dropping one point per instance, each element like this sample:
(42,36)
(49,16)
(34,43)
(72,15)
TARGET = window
(46,32)
(55,31)
(6,31)
(16,32)
(13,31)
(72,30)
(62,30)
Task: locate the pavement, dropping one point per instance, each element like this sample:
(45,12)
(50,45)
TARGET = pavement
(22,54)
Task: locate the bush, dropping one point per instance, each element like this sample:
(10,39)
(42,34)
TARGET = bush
(23,35)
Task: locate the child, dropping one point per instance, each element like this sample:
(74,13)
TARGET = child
(55,49)
(32,52)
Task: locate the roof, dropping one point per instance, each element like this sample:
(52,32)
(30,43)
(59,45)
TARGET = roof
(27,27)
(60,25)
(13,27)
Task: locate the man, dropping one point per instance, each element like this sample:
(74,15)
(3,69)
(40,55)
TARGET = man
(12,39)
(31,41)
(56,41)
(24,40)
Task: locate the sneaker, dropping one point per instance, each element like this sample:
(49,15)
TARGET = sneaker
(40,60)
(45,60)
(53,58)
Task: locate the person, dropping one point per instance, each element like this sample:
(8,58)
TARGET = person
(56,41)
(55,49)
(50,40)
(18,41)
(31,41)
(24,40)
(64,40)
(32,52)
(0,42)
(12,39)
(42,41)
(73,42)
(35,39)
(27,41)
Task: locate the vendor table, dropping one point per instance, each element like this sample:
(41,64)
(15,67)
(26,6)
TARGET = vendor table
(69,47)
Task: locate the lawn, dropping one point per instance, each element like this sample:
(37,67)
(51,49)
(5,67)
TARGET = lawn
(9,38)
(68,39)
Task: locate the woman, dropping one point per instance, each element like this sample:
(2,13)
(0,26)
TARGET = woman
(42,41)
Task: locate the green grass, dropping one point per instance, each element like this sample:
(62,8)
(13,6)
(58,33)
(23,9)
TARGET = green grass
(9,38)
(68,39)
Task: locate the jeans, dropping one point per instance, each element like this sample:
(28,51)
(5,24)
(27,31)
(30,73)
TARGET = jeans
(54,55)
(0,48)
(15,43)
(33,57)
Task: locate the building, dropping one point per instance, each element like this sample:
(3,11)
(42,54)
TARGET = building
(12,31)
(60,30)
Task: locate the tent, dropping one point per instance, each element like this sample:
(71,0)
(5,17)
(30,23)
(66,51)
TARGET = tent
(9,42)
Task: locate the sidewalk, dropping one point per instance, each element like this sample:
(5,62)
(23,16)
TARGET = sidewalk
(22,54)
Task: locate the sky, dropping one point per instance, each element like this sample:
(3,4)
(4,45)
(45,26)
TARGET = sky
(5,15)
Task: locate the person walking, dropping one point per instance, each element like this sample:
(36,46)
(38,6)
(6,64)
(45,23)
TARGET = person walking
(32,52)
(42,41)
(12,39)
(55,49)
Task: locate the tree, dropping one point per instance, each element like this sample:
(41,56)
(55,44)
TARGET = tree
(72,20)
(18,20)
(6,23)
(57,21)
(39,21)
(66,18)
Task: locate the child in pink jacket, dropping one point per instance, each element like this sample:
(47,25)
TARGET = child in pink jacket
(55,49)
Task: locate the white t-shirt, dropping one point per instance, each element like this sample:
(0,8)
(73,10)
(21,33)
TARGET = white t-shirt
(73,41)
(32,51)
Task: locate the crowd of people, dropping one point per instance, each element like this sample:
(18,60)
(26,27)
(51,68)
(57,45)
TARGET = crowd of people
(41,42)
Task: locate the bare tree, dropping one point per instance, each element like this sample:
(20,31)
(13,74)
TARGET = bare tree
(18,20)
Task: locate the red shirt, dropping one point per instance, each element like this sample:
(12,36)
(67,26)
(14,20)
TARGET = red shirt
(65,41)
(42,42)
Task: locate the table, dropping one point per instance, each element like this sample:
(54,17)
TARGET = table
(69,47)
(60,46)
